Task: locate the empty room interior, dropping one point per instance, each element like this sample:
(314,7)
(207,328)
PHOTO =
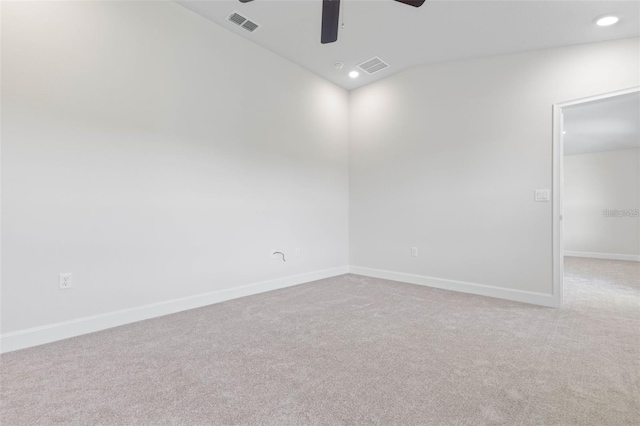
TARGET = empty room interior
(272,212)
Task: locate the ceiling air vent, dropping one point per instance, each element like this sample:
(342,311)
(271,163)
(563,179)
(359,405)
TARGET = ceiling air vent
(373,65)
(243,22)
(250,26)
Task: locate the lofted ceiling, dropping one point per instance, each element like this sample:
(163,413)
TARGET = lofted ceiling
(406,36)
(606,125)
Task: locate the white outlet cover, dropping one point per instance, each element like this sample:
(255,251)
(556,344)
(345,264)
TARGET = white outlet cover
(65,281)
(414,251)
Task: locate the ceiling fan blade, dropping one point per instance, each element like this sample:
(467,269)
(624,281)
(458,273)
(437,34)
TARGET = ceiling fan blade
(414,3)
(330,18)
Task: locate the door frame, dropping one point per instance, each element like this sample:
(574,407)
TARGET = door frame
(558,187)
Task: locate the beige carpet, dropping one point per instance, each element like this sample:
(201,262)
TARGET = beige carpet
(351,350)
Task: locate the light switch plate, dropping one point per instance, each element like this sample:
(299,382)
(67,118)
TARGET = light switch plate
(542,195)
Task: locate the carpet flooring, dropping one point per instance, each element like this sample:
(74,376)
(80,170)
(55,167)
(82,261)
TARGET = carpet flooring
(351,350)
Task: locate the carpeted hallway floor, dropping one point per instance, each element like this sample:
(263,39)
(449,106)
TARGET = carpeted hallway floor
(351,350)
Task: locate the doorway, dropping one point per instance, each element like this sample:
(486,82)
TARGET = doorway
(596,185)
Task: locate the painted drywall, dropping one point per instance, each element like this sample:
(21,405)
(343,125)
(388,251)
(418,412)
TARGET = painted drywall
(596,182)
(156,156)
(446,158)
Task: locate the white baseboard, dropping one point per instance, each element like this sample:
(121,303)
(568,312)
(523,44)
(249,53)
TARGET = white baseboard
(610,256)
(63,330)
(541,299)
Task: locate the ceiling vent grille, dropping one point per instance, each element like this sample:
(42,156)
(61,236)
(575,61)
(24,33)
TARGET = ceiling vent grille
(373,65)
(250,26)
(243,22)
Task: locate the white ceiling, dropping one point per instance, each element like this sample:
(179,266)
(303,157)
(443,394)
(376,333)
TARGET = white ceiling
(606,125)
(405,36)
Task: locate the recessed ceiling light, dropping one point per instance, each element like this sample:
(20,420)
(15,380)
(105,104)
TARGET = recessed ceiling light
(354,74)
(605,21)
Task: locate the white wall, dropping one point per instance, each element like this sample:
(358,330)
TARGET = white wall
(156,155)
(446,158)
(594,182)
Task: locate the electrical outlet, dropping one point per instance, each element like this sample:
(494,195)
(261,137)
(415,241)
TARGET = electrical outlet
(414,251)
(65,281)
(297,252)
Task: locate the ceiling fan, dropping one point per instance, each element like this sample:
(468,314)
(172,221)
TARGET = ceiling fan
(331,17)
